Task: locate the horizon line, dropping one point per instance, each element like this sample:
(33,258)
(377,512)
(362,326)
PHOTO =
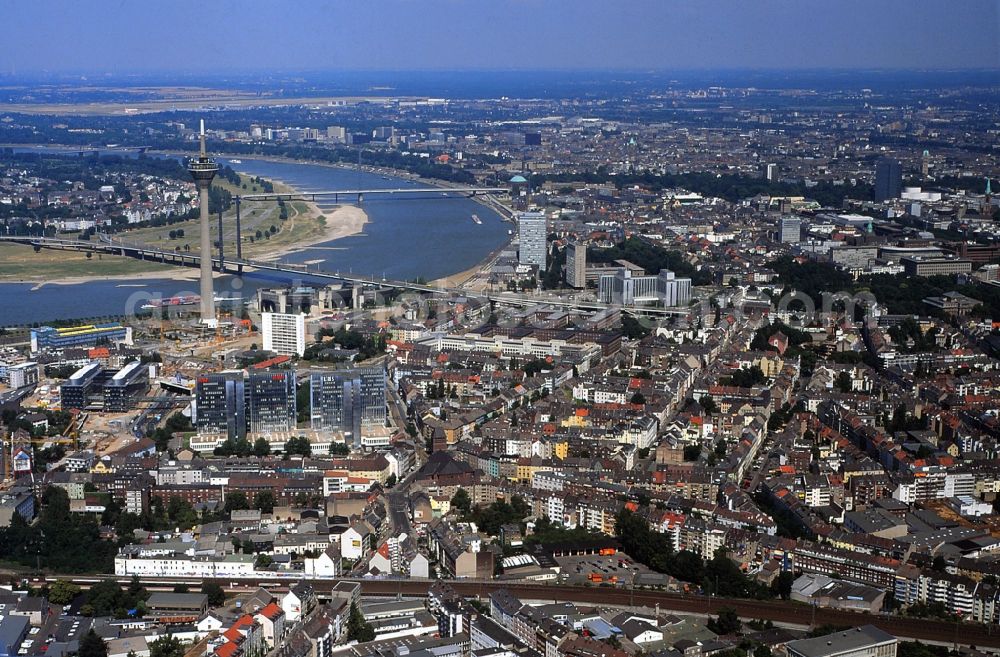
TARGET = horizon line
(583,70)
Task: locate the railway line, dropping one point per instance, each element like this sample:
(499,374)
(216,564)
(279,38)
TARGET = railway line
(924,629)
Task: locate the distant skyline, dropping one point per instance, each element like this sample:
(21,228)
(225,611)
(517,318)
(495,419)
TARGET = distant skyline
(92,37)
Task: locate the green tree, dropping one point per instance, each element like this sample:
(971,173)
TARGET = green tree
(462,501)
(263,561)
(726,623)
(782,585)
(634,328)
(62,592)
(638,398)
(166,646)
(261,447)
(357,628)
(708,405)
(92,645)
(298,445)
(104,597)
(339,449)
(236,501)
(216,596)
(391,481)
(264,500)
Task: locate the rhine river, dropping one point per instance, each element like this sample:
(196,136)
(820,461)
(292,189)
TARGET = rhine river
(429,236)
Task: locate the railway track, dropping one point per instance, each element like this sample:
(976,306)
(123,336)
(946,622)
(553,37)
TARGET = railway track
(774,610)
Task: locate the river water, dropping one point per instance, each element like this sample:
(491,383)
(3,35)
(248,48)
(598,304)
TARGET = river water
(429,236)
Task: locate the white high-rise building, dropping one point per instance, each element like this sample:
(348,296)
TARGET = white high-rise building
(771,172)
(673,291)
(284,333)
(531,239)
(789,229)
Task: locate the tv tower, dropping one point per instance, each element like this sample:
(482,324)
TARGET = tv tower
(203,170)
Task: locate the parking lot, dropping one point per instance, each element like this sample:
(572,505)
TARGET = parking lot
(55,634)
(596,569)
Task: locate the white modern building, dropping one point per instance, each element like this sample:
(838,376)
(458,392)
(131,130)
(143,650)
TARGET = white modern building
(531,239)
(673,291)
(789,229)
(284,334)
(181,565)
(626,289)
(22,375)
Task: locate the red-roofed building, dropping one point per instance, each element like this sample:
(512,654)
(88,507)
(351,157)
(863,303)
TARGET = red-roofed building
(271,362)
(272,623)
(244,637)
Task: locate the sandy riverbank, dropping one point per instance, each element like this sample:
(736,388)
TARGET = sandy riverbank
(173,274)
(343,221)
(456,280)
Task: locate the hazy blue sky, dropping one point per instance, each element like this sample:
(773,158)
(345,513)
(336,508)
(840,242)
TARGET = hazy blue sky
(226,35)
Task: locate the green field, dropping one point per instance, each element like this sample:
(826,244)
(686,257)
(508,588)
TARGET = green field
(21,263)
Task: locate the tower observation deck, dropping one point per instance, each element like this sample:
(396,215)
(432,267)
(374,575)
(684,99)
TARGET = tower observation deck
(203,171)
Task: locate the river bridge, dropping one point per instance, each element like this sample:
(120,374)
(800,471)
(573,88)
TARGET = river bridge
(105,245)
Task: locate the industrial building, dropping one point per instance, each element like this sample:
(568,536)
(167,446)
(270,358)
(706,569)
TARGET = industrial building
(13,630)
(22,375)
(853,257)
(76,391)
(888,179)
(47,338)
(19,502)
(789,229)
(865,641)
(915,266)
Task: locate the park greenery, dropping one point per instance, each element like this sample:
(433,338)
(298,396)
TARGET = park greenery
(175,423)
(367,346)
(717,576)
(900,295)
(732,188)
(61,541)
